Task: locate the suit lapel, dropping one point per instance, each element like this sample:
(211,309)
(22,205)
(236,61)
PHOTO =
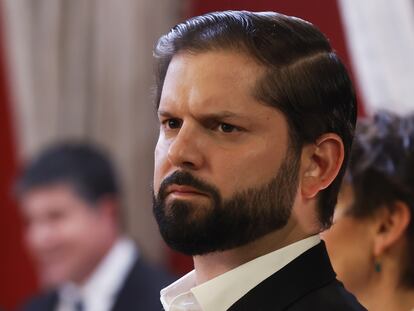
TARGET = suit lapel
(141,289)
(129,291)
(51,302)
(309,271)
(46,302)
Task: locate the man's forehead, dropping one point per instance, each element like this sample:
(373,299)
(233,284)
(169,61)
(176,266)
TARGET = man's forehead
(50,191)
(222,66)
(219,82)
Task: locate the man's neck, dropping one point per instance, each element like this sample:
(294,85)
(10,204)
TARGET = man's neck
(214,264)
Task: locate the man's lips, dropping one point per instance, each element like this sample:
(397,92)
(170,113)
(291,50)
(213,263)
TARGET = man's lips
(182,190)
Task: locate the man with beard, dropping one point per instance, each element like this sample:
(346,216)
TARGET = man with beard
(256,115)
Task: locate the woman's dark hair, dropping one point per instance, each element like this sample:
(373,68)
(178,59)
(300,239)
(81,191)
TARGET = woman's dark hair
(304,78)
(381,171)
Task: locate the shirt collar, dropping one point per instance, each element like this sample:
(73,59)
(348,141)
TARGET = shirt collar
(179,287)
(108,277)
(223,291)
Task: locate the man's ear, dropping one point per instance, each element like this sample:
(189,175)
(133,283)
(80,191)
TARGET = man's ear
(321,163)
(391,224)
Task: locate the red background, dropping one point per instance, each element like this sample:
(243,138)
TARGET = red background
(16,273)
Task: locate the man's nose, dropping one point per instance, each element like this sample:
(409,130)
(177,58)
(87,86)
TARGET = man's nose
(186,149)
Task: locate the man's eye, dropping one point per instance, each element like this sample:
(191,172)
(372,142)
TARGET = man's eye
(172,123)
(227,128)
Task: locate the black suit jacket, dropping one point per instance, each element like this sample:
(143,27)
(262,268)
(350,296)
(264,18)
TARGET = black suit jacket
(140,291)
(308,283)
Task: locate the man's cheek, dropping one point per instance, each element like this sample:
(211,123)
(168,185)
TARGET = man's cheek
(161,165)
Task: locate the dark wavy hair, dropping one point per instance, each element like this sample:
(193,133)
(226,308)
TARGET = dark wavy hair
(381,171)
(304,78)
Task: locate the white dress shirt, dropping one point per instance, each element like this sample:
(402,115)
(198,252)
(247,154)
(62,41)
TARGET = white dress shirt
(99,292)
(222,292)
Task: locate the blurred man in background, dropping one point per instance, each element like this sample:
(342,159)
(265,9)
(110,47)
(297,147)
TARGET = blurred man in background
(70,199)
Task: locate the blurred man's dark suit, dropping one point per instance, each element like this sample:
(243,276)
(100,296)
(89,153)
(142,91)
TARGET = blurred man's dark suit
(140,291)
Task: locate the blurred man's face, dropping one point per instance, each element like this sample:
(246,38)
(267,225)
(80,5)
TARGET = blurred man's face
(66,236)
(223,173)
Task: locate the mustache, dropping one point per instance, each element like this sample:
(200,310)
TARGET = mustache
(184,178)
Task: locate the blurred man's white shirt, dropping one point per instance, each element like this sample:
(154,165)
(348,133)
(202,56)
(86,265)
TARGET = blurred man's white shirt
(222,292)
(100,291)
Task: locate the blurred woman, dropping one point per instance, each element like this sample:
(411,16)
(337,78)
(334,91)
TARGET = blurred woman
(371,242)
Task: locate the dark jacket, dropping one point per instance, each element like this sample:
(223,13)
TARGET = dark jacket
(140,291)
(308,283)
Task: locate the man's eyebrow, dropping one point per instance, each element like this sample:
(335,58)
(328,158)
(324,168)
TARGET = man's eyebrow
(163,113)
(221,115)
(225,116)
(214,115)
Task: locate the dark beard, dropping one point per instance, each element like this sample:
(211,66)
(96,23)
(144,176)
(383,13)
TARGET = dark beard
(223,225)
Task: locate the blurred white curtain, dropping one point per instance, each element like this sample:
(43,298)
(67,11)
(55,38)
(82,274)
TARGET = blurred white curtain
(82,69)
(380,35)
